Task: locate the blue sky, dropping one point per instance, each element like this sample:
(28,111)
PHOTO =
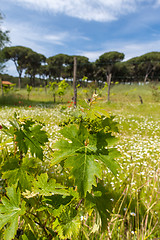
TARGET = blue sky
(83,27)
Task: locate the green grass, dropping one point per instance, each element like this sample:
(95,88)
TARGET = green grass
(136,190)
(122,93)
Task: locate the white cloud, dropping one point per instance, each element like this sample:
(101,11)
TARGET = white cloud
(62,37)
(92,55)
(10,69)
(97,10)
(157,3)
(136,49)
(128,48)
(58,38)
(25,34)
(29,35)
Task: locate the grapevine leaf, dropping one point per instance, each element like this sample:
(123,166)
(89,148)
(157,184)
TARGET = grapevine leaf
(20,139)
(71,228)
(109,161)
(28,136)
(45,187)
(67,224)
(84,169)
(79,157)
(57,200)
(95,111)
(18,176)
(21,174)
(35,139)
(30,140)
(102,203)
(66,148)
(28,235)
(24,237)
(10,210)
(10,163)
(32,226)
(82,152)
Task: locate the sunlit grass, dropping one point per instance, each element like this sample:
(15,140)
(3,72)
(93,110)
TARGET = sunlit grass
(136,190)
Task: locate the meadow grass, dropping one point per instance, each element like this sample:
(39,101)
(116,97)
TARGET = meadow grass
(136,190)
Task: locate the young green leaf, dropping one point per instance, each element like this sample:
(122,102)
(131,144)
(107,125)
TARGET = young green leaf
(21,174)
(18,176)
(82,154)
(68,223)
(11,208)
(27,135)
(45,187)
(32,138)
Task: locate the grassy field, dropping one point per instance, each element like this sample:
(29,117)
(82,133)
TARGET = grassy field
(136,190)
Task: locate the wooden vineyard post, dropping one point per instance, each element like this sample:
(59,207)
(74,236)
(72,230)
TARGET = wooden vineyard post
(1,87)
(109,85)
(74,82)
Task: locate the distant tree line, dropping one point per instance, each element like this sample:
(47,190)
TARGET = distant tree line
(4,38)
(36,69)
(108,67)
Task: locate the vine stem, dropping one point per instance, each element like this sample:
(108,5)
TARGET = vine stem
(40,224)
(79,203)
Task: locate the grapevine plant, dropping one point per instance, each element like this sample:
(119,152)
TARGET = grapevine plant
(60,193)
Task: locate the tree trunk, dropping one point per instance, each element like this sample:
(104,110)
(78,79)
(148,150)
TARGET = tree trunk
(50,78)
(1,87)
(146,77)
(74,82)
(20,74)
(45,86)
(149,70)
(141,100)
(19,81)
(30,82)
(54,97)
(109,76)
(34,82)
